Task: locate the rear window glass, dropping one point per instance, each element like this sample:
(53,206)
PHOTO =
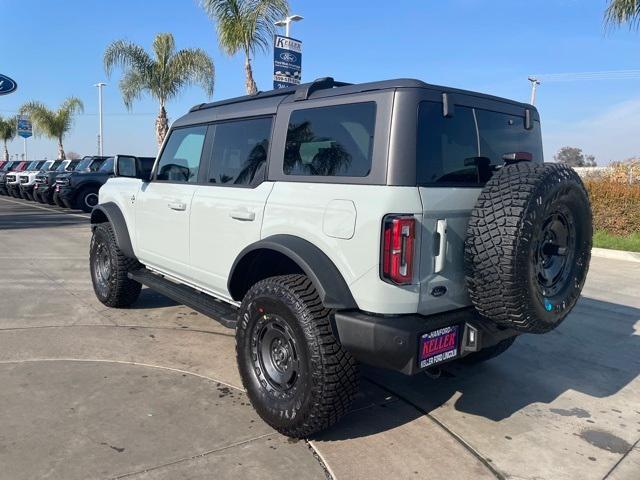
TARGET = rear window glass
(465,150)
(331,141)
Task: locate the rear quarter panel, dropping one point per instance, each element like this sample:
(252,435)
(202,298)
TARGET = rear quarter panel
(320,213)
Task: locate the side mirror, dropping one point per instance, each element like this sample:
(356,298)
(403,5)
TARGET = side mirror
(126,166)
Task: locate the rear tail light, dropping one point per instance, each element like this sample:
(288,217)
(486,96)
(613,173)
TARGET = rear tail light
(398,247)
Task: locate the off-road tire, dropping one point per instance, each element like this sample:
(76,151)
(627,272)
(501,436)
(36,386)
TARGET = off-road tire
(488,353)
(114,289)
(82,200)
(58,201)
(36,196)
(327,377)
(514,246)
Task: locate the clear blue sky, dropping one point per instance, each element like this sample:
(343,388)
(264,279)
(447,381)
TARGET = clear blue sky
(54,49)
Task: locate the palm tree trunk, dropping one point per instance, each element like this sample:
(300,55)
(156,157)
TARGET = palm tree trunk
(162,126)
(6,152)
(61,155)
(250,83)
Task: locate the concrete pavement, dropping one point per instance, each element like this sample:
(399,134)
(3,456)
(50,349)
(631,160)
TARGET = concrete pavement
(153,391)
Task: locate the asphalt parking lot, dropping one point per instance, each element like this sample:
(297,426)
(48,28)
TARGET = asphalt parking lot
(152,391)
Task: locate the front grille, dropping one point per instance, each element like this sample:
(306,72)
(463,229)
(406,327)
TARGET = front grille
(41,180)
(11,178)
(24,179)
(62,181)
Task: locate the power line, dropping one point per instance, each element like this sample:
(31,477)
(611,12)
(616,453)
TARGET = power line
(141,114)
(580,76)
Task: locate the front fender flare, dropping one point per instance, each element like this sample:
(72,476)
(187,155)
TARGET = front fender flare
(325,276)
(110,212)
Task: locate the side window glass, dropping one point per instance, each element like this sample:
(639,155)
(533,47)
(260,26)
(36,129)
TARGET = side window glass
(239,151)
(331,141)
(180,160)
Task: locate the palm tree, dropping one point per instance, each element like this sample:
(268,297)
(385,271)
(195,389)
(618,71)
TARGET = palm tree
(8,127)
(162,76)
(53,123)
(247,26)
(623,11)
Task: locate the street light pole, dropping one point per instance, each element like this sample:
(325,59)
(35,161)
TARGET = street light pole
(534,85)
(100,138)
(286,23)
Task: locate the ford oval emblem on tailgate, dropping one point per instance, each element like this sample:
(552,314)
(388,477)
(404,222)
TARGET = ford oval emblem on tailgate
(439,291)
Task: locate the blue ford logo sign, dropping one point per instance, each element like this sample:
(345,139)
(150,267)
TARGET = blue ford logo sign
(288,57)
(7,85)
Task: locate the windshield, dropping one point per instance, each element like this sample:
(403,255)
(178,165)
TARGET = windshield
(83,165)
(107,166)
(54,165)
(61,167)
(33,165)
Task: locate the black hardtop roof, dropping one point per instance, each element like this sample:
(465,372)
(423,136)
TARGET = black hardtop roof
(321,88)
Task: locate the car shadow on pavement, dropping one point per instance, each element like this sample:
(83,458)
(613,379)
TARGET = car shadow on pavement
(596,351)
(43,219)
(151,299)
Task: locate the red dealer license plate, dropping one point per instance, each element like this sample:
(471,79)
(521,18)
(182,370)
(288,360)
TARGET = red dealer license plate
(438,346)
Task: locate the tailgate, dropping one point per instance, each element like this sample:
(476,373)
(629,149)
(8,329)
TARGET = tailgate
(446,211)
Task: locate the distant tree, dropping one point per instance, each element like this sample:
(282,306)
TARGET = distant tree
(8,129)
(574,157)
(623,11)
(245,26)
(73,155)
(53,123)
(162,76)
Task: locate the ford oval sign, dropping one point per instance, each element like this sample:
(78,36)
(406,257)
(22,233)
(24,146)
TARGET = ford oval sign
(288,57)
(7,85)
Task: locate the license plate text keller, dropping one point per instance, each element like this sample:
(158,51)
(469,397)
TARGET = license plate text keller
(438,346)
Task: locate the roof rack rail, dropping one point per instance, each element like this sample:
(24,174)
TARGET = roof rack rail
(304,91)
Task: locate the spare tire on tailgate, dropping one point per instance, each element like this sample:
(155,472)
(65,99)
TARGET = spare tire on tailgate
(528,246)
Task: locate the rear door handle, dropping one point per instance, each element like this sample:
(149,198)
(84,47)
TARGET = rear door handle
(180,206)
(244,215)
(441,230)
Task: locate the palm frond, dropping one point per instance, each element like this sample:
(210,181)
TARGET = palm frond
(164,74)
(623,11)
(124,54)
(193,66)
(246,25)
(132,84)
(164,47)
(53,124)
(8,128)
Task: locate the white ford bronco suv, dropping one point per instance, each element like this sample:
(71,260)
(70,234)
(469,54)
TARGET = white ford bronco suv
(395,223)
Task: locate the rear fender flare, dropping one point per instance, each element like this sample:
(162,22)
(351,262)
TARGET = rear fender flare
(325,276)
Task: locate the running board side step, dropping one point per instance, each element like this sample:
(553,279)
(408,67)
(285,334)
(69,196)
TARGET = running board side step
(200,302)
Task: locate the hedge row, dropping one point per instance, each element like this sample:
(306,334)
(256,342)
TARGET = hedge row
(615,205)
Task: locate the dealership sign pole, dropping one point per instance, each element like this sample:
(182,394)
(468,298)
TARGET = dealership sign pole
(287,62)
(25,130)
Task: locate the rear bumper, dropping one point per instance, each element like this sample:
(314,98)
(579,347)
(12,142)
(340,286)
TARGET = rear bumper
(392,342)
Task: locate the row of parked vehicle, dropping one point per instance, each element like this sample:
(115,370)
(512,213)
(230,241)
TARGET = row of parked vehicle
(66,183)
